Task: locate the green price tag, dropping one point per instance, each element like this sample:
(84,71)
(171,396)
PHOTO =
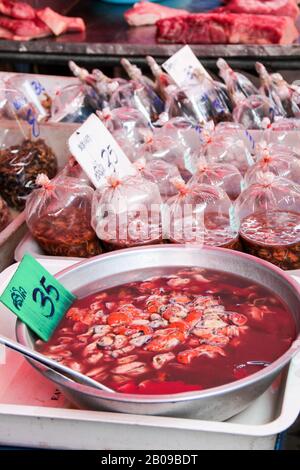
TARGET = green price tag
(37,298)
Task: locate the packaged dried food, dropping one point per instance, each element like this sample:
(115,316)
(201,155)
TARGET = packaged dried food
(58,215)
(269,215)
(140,96)
(128,126)
(223,175)
(19,167)
(227,145)
(202,214)
(279,163)
(126,212)
(4,214)
(238,85)
(161,173)
(255,112)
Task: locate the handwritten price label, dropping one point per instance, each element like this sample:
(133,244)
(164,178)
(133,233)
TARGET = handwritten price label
(37,298)
(98,153)
(183,67)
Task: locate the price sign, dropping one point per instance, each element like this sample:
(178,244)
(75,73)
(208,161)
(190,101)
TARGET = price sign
(183,67)
(37,298)
(98,153)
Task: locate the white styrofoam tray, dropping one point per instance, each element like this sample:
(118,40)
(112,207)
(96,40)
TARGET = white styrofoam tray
(34,413)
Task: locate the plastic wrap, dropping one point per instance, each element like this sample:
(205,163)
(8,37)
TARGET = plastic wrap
(202,214)
(238,85)
(19,167)
(58,216)
(127,212)
(255,112)
(269,215)
(74,103)
(73,170)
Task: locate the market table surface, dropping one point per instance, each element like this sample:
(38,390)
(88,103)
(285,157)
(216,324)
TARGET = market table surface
(108,38)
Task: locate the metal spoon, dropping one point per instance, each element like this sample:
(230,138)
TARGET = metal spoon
(254,363)
(59,369)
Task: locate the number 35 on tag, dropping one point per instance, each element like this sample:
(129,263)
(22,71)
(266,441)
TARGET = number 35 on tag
(37,298)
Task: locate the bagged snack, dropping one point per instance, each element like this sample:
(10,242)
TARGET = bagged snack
(238,85)
(161,173)
(140,96)
(4,214)
(269,215)
(58,215)
(73,170)
(128,126)
(279,163)
(227,145)
(223,175)
(19,167)
(126,212)
(202,214)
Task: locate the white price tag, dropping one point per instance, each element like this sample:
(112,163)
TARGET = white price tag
(182,67)
(98,153)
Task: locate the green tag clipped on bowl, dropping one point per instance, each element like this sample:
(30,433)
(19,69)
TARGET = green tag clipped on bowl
(37,298)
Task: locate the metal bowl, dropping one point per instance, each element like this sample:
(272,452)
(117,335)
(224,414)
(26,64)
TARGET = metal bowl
(219,403)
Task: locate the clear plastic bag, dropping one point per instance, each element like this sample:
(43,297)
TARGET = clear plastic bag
(22,88)
(4,214)
(202,214)
(238,85)
(284,132)
(227,145)
(73,170)
(58,215)
(73,103)
(173,146)
(269,89)
(222,175)
(127,213)
(269,215)
(279,162)
(161,173)
(255,112)
(19,167)
(140,96)
(128,126)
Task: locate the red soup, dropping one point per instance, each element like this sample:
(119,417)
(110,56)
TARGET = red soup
(189,330)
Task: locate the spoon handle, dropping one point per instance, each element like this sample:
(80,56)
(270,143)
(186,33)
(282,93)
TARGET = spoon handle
(56,366)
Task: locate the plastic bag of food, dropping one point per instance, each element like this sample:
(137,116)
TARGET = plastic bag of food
(255,112)
(161,173)
(4,214)
(280,163)
(223,175)
(58,215)
(140,96)
(202,214)
(282,132)
(74,103)
(238,85)
(126,212)
(269,89)
(169,144)
(19,167)
(128,126)
(73,170)
(269,215)
(227,145)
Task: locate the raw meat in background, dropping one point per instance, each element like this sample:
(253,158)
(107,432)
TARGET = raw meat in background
(216,28)
(262,7)
(147,13)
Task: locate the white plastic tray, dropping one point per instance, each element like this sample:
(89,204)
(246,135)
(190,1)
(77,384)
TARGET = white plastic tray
(33,413)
